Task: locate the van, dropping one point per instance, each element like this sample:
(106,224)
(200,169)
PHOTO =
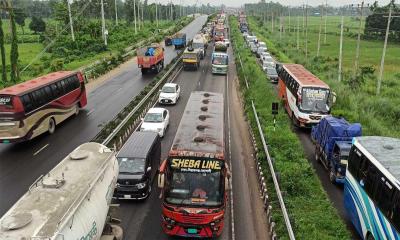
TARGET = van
(138,161)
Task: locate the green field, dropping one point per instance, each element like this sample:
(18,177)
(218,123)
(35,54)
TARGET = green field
(378,115)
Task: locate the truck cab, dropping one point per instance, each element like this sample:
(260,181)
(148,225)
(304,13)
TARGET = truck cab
(340,156)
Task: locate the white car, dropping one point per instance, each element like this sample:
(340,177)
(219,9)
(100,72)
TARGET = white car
(261,50)
(169,93)
(264,55)
(227,42)
(268,63)
(261,44)
(156,120)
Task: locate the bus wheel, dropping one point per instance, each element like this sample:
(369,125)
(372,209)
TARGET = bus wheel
(77,109)
(52,125)
(332,176)
(317,159)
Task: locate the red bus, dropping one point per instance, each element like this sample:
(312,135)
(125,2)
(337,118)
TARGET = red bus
(307,98)
(34,107)
(195,174)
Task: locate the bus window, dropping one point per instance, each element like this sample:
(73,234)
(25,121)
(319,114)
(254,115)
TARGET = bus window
(27,102)
(354,162)
(384,195)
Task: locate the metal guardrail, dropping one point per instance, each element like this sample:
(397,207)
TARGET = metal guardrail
(273,173)
(143,103)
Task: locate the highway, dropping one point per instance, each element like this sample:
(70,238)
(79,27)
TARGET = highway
(21,164)
(246,220)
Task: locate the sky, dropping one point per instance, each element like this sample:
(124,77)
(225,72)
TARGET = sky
(238,3)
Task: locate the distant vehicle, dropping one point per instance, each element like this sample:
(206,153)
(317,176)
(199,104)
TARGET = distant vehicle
(179,40)
(168,41)
(260,50)
(253,47)
(156,120)
(138,161)
(220,59)
(227,42)
(194,178)
(191,58)
(265,56)
(268,62)
(219,32)
(332,137)
(272,74)
(77,190)
(307,99)
(34,107)
(200,42)
(251,39)
(169,94)
(261,44)
(150,58)
(371,188)
(245,34)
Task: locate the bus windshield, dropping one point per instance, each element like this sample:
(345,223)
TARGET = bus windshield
(315,100)
(220,60)
(195,189)
(197,45)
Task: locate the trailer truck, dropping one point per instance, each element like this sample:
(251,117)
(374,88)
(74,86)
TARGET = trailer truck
(333,137)
(72,201)
(151,58)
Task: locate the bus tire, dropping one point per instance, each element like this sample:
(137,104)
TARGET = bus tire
(332,176)
(52,126)
(77,109)
(317,158)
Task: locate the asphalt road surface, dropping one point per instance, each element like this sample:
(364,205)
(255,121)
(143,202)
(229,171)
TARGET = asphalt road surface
(245,218)
(21,164)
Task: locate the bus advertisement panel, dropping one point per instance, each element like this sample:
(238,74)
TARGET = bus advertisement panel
(34,107)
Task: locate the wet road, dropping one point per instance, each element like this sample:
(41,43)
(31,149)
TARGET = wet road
(21,164)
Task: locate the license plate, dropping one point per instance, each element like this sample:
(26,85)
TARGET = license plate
(127,196)
(192,230)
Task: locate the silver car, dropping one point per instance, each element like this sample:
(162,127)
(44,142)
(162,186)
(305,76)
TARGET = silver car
(272,74)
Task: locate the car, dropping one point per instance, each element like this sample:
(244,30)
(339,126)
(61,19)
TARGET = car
(253,47)
(156,120)
(227,42)
(263,55)
(271,73)
(138,160)
(169,93)
(260,50)
(245,34)
(268,63)
(261,44)
(250,39)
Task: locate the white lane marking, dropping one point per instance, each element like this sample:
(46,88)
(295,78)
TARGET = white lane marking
(230,158)
(90,112)
(41,149)
(119,89)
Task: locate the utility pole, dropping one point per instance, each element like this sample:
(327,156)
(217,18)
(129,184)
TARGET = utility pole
(134,14)
(341,49)
(138,14)
(272,23)
(280,27)
(298,32)
(378,89)
(70,21)
(358,40)
(304,20)
(289,19)
(116,12)
(142,15)
(326,19)
(306,34)
(319,34)
(157,14)
(103,23)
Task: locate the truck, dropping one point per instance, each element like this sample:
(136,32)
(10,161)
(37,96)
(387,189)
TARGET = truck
(194,178)
(219,32)
(151,58)
(333,138)
(72,201)
(168,41)
(220,59)
(191,58)
(179,40)
(201,43)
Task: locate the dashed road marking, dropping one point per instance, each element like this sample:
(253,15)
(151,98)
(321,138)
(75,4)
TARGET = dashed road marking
(41,149)
(90,112)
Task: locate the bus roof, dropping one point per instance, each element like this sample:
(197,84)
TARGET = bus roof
(201,130)
(24,87)
(385,153)
(303,76)
(52,200)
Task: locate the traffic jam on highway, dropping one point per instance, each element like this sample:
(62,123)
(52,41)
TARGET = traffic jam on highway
(189,185)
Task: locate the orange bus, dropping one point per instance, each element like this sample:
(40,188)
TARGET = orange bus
(34,107)
(307,99)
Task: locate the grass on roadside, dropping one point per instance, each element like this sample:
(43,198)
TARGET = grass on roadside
(311,213)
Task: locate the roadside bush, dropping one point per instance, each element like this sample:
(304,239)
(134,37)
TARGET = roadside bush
(57,65)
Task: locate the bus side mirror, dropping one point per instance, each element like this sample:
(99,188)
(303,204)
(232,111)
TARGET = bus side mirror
(161,180)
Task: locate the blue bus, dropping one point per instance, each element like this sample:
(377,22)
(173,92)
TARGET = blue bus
(372,187)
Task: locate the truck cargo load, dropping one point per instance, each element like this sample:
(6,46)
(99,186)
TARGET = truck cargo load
(332,137)
(69,202)
(191,58)
(200,42)
(151,58)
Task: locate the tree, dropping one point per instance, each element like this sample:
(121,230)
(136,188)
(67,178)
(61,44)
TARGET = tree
(3,54)
(37,25)
(14,47)
(20,17)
